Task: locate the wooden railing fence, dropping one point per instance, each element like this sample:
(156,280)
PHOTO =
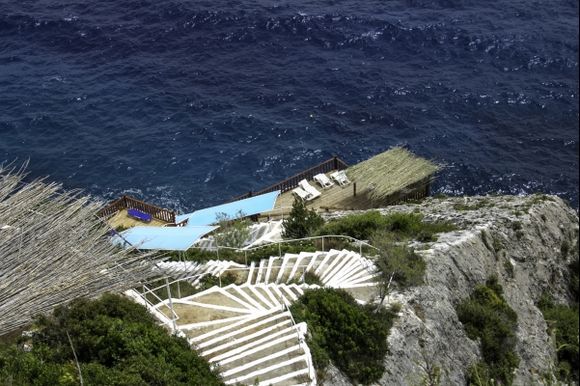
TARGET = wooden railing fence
(128,202)
(334,163)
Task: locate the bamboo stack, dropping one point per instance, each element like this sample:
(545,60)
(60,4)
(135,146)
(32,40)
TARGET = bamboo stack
(53,249)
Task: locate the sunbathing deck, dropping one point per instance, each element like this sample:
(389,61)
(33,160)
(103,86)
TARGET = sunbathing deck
(334,198)
(121,219)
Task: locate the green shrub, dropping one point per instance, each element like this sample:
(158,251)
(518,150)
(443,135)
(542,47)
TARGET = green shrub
(359,226)
(301,222)
(473,206)
(565,248)
(209,281)
(312,278)
(352,336)
(573,283)
(117,342)
(562,321)
(177,289)
(240,256)
(516,225)
(488,318)
(509,268)
(396,226)
(275,250)
(233,231)
(408,267)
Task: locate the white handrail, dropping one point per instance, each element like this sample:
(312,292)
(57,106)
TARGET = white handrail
(322,237)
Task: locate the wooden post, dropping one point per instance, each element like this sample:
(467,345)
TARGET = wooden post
(354,189)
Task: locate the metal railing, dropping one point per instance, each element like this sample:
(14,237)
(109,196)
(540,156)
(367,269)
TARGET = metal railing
(334,163)
(360,243)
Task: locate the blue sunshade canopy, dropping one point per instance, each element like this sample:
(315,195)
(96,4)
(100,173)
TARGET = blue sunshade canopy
(163,238)
(249,207)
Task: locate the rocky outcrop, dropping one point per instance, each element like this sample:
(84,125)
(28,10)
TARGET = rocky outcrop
(525,241)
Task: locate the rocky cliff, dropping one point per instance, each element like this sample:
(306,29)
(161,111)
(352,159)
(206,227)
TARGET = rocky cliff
(527,242)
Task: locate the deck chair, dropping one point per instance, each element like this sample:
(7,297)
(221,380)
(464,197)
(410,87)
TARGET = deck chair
(310,189)
(340,177)
(301,194)
(324,181)
(139,215)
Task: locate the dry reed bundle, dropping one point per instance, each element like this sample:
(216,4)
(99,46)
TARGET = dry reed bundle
(53,249)
(391,172)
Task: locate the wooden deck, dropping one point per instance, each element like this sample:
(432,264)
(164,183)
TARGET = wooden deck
(334,198)
(121,219)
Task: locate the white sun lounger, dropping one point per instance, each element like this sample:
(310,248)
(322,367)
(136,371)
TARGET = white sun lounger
(310,189)
(324,181)
(301,194)
(340,177)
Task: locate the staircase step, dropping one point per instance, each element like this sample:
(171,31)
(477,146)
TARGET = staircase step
(247,326)
(279,369)
(285,274)
(270,261)
(282,333)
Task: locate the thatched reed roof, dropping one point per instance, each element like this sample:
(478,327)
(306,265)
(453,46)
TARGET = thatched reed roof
(391,172)
(53,249)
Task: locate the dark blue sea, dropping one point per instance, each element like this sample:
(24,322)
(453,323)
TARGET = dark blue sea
(188,103)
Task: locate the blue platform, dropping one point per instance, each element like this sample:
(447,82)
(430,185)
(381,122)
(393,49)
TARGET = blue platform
(163,238)
(249,207)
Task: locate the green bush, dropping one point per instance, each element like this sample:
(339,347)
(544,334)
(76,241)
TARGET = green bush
(404,264)
(301,222)
(312,278)
(117,343)
(352,336)
(562,321)
(232,231)
(239,256)
(178,289)
(395,226)
(488,318)
(573,284)
(359,226)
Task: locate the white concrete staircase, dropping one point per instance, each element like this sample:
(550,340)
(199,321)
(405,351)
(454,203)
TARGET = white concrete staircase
(337,269)
(193,272)
(247,333)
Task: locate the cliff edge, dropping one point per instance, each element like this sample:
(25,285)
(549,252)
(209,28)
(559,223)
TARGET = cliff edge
(526,241)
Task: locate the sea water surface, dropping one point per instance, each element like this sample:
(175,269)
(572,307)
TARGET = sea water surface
(188,103)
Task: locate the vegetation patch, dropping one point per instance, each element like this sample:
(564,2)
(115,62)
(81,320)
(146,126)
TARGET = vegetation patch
(562,321)
(115,341)
(240,256)
(487,317)
(396,226)
(473,206)
(233,231)
(301,222)
(160,290)
(573,282)
(509,267)
(354,337)
(406,267)
(311,278)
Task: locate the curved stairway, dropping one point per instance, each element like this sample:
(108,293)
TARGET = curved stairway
(246,331)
